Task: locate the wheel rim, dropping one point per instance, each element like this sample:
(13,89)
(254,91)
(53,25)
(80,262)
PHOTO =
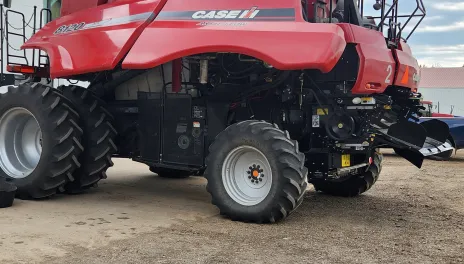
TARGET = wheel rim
(20,142)
(247,175)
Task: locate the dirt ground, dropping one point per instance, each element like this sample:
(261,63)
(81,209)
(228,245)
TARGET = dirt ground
(410,216)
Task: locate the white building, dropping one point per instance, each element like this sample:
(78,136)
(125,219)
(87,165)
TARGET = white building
(445,88)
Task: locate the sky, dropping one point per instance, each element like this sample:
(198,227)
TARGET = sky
(439,39)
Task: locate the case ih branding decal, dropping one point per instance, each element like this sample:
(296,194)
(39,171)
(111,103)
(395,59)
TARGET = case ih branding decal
(255,14)
(226,14)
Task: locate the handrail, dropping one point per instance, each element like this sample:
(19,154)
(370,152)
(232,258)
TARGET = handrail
(395,28)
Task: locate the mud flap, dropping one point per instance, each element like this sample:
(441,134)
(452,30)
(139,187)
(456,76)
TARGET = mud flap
(436,130)
(416,158)
(408,133)
(414,141)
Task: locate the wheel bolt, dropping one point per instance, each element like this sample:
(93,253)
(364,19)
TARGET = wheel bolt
(250,168)
(249,177)
(260,179)
(262,175)
(249,172)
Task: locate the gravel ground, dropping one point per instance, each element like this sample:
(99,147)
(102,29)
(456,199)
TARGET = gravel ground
(410,216)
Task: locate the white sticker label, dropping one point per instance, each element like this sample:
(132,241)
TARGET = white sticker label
(316,121)
(196,124)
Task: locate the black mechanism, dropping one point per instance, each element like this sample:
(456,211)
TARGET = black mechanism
(340,126)
(150,108)
(172,130)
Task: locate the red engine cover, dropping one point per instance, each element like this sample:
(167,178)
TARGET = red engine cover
(94,39)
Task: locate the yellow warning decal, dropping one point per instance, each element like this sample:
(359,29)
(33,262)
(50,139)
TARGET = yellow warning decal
(367,100)
(346,160)
(321,111)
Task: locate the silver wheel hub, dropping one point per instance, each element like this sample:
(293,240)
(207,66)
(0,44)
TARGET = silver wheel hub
(20,143)
(247,175)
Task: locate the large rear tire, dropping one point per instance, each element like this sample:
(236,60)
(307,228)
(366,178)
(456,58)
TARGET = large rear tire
(354,185)
(40,140)
(255,173)
(98,138)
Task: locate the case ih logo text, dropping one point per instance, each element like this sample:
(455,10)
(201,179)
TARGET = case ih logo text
(227,14)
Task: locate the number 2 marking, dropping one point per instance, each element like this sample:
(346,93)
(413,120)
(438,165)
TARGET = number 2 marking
(389,70)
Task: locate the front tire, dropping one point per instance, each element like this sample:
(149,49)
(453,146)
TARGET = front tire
(40,140)
(256,173)
(354,185)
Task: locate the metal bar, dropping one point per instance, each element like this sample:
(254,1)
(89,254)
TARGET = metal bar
(16,56)
(7,39)
(34,16)
(362,8)
(414,29)
(407,22)
(403,16)
(1,47)
(16,34)
(382,16)
(8,33)
(48,14)
(331,11)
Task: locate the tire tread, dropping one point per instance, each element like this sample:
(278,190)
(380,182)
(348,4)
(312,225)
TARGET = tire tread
(98,138)
(290,160)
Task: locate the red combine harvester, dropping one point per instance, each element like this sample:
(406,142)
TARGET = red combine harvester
(261,97)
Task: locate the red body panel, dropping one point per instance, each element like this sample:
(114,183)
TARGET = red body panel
(286,45)
(291,50)
(377,64)
(408,68)
(94,49)
(271,30)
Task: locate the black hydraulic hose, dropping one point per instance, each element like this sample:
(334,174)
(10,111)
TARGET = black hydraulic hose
(318,101)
